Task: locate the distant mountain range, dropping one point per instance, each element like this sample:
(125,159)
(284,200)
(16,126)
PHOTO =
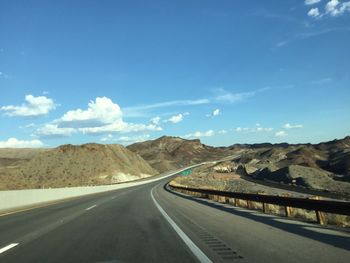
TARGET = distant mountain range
(323,166)
(167,153)
(96,164)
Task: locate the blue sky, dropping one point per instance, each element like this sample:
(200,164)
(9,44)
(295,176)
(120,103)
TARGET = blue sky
(223,71)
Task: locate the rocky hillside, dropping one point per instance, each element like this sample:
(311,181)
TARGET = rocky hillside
(168,153)
(321,167)
(14,156)
(69,165)
(333,156)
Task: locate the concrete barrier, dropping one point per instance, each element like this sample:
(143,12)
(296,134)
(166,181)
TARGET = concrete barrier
(17,199)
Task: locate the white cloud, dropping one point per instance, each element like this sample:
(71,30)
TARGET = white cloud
(141,110)
(101,116)
(199,134)
(214,113)
(53,131)
(100,112)
(262,129)
(34,106)
(331,7)
(314,12)
(3,75)
(133,139)
(281,134)
(221,96)
(290,126)
(155,120)
(226,96)
(257,128)
(322,81)
(176,118)
(121,127)
(15,143)
(229,97)
(311,2)
(125,139)
(313,33)
(222,132)
(109,137)
(28,126)
(335,8)
(281,43)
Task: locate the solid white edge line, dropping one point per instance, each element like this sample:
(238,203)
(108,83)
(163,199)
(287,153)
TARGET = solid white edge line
(192,246)
(2,250)
(90,207)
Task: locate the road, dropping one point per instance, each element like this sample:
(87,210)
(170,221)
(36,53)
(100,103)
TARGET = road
(148,223)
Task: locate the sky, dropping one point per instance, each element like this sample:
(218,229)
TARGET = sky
(123,71)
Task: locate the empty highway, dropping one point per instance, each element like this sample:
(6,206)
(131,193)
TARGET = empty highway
(148,223)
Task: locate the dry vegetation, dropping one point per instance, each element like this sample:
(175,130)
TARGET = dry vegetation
(227,176)
(69,165)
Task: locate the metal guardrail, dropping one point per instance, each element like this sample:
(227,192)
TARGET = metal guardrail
(327,206)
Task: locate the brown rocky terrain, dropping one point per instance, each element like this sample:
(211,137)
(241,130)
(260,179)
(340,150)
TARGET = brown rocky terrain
(69,165)
(323,167)
(168,153)
(14,156)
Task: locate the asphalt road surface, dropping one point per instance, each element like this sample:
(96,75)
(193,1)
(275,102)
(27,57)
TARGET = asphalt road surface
(149,223)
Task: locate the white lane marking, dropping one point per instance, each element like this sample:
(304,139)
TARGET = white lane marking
(90,207)
(192,246)
(2,250)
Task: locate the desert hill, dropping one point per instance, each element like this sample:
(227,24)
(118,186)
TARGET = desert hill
(14,156)
(168,153)
(70,165)
(324,166)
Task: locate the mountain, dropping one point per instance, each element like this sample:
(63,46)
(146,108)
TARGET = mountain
(324,166)
(71,165)
(14,156)
(168,153)
(328,163)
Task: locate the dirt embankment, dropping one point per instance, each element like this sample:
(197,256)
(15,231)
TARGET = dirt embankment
(319,167)
(69,165)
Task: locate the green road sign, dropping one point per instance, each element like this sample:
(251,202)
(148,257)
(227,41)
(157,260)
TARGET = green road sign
(186,172)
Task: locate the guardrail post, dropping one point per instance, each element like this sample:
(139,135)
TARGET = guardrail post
(288,204)
(238,201)
(320,216)
(321,219)
(288,211)
(265,208)
(235,201)
(249,204)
